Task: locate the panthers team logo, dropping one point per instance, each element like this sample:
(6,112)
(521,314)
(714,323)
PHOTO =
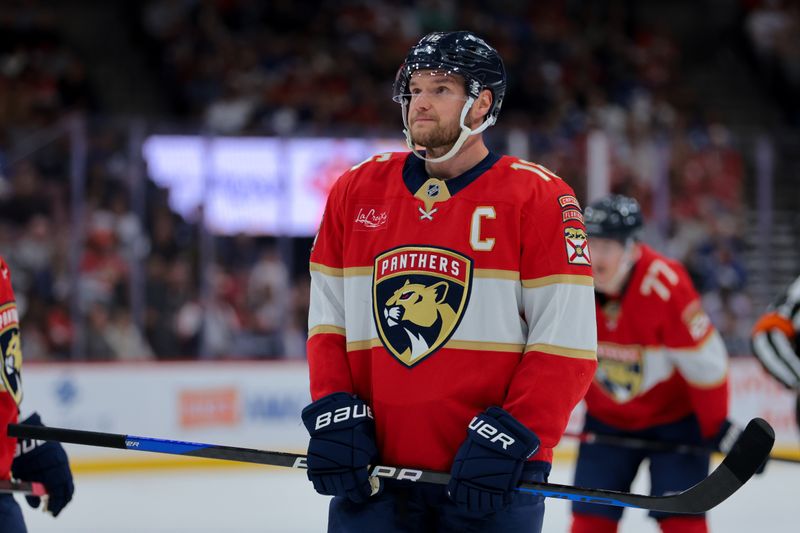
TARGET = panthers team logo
(11,351)
(419,297)
(619,370)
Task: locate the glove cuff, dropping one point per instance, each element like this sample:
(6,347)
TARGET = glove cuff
(335,411)
(726,436)
(498,430)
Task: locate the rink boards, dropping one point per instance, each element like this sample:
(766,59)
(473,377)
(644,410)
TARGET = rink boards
(257,405)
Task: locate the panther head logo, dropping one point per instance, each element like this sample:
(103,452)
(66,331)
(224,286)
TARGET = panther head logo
(423,314)
(12,362)
(619,370)
(420,295)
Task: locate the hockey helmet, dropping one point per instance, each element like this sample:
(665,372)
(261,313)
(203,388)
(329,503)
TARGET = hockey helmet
(462,53)
(613,217)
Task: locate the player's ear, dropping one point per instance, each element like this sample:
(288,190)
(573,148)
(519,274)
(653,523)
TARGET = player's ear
(482,104)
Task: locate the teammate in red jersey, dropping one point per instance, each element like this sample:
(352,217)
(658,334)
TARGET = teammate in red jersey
(661,375)
(27,460)
(776,341)
(452,313)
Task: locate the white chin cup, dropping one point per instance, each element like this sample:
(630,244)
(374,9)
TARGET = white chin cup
(462,138)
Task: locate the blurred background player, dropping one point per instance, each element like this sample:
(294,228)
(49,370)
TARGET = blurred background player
(776,341)
(482,318)
(662,371)
(27,460)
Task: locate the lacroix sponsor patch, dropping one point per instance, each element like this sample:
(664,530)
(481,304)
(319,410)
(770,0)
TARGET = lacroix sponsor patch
(370,218)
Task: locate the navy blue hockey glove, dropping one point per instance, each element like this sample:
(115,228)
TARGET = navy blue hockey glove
(726,437)
(45,462)
(342,446)
(488,466)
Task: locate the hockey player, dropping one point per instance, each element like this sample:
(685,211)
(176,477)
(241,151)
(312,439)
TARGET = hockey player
(28,460)
(776,341)
(661,375)
(452,313)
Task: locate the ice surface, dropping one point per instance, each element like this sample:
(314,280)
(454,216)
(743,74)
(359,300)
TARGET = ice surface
(255,499)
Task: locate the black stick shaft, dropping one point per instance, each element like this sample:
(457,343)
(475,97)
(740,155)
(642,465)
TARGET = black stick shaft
(747,454)
(28,488)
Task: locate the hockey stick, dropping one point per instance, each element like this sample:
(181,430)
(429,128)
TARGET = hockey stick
(636,443)
(28,488)
(746,455)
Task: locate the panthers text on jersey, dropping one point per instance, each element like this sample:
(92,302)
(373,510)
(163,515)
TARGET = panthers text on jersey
(11,385)
(433,300)
(659,357)
(776,338)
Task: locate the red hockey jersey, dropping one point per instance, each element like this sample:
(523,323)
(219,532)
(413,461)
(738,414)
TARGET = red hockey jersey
(659,357)
(433,300)
(11,385)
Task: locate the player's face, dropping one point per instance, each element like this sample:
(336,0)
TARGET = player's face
(434,110)
(607,255)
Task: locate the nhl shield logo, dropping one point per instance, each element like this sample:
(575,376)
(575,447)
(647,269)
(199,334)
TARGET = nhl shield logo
(419,297)
(619,370)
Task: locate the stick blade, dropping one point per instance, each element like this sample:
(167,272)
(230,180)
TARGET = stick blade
(747,455)
(750,450)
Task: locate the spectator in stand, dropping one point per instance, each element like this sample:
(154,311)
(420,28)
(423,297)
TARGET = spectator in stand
(251,67)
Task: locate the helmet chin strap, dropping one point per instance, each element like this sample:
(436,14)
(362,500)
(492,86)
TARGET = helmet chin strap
(614,285)
(462,138)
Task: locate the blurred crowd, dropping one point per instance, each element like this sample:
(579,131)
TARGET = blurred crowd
(41,77)
(772,30)
(123,277)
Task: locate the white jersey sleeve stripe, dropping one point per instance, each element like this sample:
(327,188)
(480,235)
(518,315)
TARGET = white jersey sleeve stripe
(552,311)
(327,301)
(704,366)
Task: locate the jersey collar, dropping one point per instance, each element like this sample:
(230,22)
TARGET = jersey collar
(415,175)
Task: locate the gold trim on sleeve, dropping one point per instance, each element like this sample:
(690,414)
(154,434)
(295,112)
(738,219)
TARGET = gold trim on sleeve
(325,328)
(562,351)
(567,279)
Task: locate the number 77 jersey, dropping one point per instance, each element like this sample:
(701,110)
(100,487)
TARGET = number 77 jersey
(435,299)
(660,358)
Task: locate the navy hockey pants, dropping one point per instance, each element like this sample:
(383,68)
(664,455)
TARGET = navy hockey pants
(602,466)
(407,507)
(10,515)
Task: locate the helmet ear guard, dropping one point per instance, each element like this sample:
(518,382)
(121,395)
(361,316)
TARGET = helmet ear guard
(464,54)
